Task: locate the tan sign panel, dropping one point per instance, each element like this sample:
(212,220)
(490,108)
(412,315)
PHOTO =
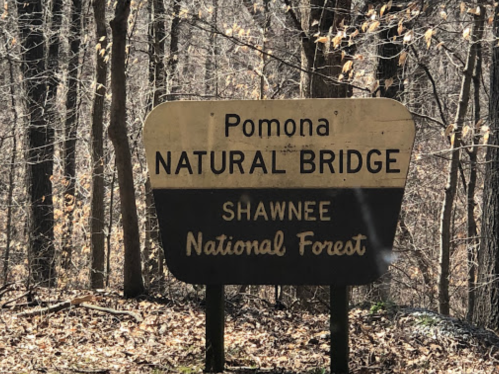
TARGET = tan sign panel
(312,143)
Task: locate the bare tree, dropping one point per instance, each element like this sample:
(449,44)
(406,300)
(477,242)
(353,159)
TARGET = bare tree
(158,37)
(133,284)
(486,311)
(10,192)
(70,128)
(211,64)
(153,262)
(320,21)
(172,60)
(472,181)
(40,139)
(97,204)
(450,188)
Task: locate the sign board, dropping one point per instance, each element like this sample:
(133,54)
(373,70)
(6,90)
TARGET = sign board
(278,192)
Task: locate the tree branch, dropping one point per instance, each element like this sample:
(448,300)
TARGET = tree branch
(115,312)
(213,29)
(429,119)
(42,311)
(433,84)
(67,304)
(294,18)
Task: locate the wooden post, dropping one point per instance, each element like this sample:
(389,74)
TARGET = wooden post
(214,329)
(339,330)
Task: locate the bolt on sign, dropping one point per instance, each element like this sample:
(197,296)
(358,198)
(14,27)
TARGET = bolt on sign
(279,192)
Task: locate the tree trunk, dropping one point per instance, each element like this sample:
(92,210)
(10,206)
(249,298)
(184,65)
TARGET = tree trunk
(158,39)
(153,262)
(70,128)
(53,57)
(172,61)
(450,188)
(110,225)
(389,72)
(97,204)
(133,284)
(472,241)
(486,311)
(8,228)
(323,66)
(40,138)
(391,85)
(262,17)
(211,64)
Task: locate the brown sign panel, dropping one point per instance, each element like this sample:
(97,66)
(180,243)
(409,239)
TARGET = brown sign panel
(278,192)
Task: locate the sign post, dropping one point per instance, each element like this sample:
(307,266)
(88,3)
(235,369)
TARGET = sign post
(215,328)
(338,327)
(303,192)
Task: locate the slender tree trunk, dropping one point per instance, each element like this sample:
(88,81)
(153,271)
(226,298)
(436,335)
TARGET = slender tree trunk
(53,57)
(162,84)
(422,262)
(263,58)
(470,202)
(151,49)
(159,36)
(172,61)
(262,18)
(40,138)
(389,72)
(8,228)
(97,204)
(53,70)
(486,311)
(153,262)
(110,226)
(211,64)
(133,284)
(450,189)
(70,128)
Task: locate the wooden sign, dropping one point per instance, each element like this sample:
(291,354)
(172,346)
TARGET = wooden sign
(278,192)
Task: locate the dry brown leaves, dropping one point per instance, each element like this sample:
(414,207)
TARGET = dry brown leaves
(257,339)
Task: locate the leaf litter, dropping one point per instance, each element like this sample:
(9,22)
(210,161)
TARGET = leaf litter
(258,339)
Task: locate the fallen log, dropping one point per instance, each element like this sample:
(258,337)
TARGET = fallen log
(77,303)
(42,311)
(90,371)
(136,316)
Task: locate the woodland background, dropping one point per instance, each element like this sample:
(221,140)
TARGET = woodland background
(78,78)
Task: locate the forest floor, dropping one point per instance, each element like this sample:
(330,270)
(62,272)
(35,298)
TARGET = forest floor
(167,336)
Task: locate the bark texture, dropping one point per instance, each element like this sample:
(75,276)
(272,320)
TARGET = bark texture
(153,261)
(40,138)
(322,66)
(70,128)
(10,192)
(133,284)
(450,188)
(470,192)
(158,34)
(211,65)
(486,312)
(97,204)
(389,72)
(172,61)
